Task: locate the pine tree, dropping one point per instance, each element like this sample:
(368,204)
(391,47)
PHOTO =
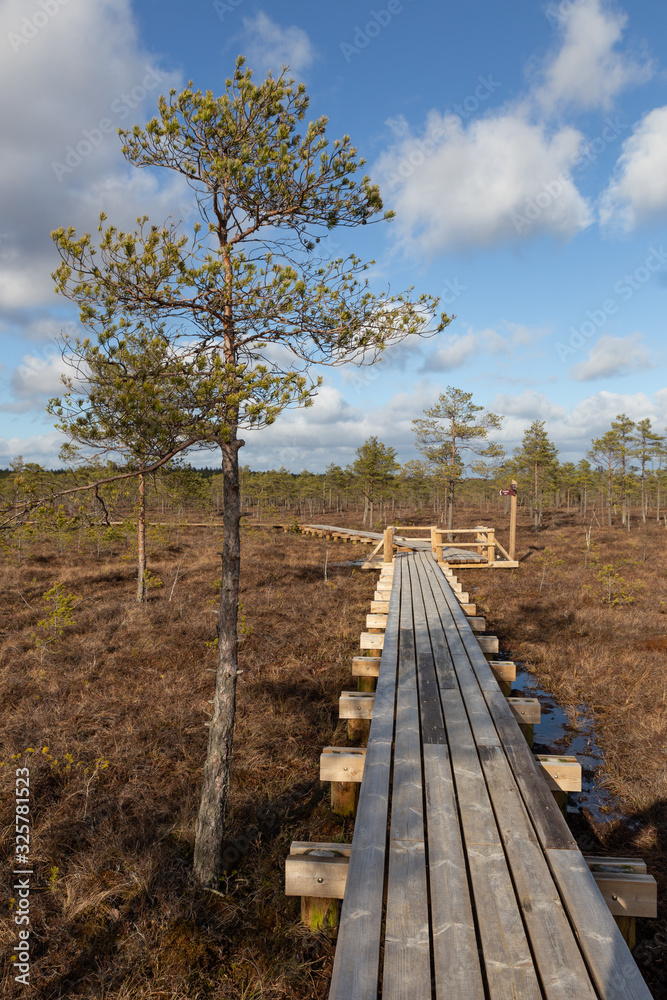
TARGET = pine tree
(375,466)
(453,434)
(537,457)
(252,290)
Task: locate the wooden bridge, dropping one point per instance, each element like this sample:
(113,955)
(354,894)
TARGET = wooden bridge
(483,549)
(463,880)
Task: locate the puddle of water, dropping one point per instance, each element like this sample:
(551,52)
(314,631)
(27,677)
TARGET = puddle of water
(557,735)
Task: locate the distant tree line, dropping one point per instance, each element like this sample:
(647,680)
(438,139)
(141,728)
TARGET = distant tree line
(623,477)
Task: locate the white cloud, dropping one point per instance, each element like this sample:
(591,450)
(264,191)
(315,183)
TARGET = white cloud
(269,46)
(508,175)
(529,405)
(638,190)
(611,356)
(35,380)
(588,71)
(62,162)
(457,351)
(486,182)
(41,448)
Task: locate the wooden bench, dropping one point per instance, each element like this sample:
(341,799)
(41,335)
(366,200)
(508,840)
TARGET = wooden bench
(463,879)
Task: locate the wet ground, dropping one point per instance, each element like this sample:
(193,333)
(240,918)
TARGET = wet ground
(571,733)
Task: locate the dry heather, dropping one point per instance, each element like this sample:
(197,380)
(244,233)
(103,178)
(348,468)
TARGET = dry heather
(121,705)
(600,659)
(112,722)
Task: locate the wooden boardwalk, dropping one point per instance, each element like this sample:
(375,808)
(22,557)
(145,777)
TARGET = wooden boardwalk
(464,881)
(450,553)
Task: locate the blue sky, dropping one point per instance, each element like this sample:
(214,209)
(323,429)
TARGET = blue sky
(524,150)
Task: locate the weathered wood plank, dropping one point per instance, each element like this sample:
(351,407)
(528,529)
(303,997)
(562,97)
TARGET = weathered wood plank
(366,666)
(357,960)
(612,967)
(407,961)
(455,950)
(309,875)
(407,821)
(371,640)
(557,957)
(562,774)
(478,712)
(507,960)
(432,723)
(342,763)
(552,830)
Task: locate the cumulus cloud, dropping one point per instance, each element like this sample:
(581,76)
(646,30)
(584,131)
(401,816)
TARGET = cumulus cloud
(35,380)
(528,405)
(41,448)
(269,46)
(485,182)
(638,190)
(611,356)
(508,175)
(62,162)
(588,71)
(470,346)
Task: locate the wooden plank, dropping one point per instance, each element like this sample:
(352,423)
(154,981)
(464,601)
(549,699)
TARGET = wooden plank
(376,621)
(455,950)
(478,712)
(380,607)
(627,894)
(310,875)
(407,966)
(407,960)
(371,640)
(357,960)
(562,774)
(504,670)
(507,960)
(356,705)
(552,830)
(611,965)
(596,863)
(342,763)
(488,643)
(442,658)
(526,710)
(306,846)
(558,961)
(430,709)
(365,666)
(478,821)
(407,821)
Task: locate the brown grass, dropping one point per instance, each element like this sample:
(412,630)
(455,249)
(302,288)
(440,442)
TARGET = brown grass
(115,911)
(122,916)
(606,661)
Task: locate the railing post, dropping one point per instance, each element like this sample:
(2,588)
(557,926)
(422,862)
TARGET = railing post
(491,546)
(434,550)
(512,549)
(388,544)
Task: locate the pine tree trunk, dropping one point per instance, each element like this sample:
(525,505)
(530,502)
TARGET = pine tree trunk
(141,540)
(208,861)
